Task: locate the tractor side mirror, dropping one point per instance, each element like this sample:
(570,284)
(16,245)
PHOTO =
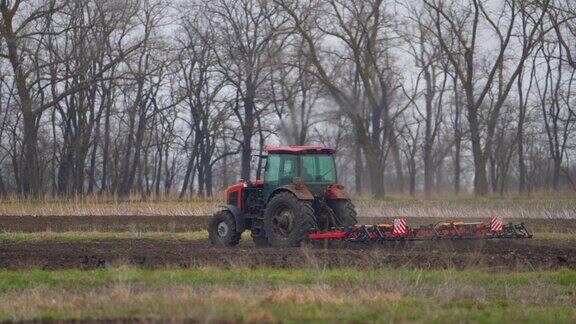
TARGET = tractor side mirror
(261,156)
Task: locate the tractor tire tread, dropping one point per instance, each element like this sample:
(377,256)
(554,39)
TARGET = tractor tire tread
(305,220)
(260,240)
(344,211)
(223,216)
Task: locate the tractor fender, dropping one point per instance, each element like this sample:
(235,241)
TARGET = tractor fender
(336,192)
(301,192)
(239,217)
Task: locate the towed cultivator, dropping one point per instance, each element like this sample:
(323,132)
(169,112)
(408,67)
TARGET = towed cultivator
(400,231)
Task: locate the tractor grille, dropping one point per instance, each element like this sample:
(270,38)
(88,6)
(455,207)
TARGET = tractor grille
(233,199)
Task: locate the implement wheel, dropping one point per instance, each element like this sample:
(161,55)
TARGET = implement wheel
(288,220)
(344,212)
(222,229)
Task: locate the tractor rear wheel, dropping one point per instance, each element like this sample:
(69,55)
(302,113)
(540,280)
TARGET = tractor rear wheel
(222,229)
(260,239)
(344,212)
(288,220)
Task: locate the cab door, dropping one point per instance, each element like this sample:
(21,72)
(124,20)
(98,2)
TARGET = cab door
(280,169)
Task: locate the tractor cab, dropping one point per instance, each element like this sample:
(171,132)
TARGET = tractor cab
(309,166)
(299,193)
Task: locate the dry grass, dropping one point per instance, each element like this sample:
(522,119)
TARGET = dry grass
(340,296)
(81,208)
(542,205)
(251,304)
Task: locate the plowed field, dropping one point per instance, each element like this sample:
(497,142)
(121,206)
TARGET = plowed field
(538,253)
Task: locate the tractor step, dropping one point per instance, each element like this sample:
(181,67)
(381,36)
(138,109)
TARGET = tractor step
(400,231)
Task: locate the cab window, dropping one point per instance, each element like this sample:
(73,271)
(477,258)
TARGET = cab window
(288,167)
(272,168)
(281,167)
(318,168)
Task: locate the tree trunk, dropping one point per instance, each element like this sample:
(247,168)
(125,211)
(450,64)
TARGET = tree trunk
(247,132)
(92,170)
(520,136)
(397,161)
(557,162)
(358,169)
(457,138)
(225,176)
(494,174)
(30,175)
(412,168)
(106,146)
(158,177)
(480,176)
(201,175)
(428,166)
(187,176)
(261,143)
(521,160)
(439,175)
(3,192)
(209,189)
(373,161)
(457,166)
(428,138)
(30,171)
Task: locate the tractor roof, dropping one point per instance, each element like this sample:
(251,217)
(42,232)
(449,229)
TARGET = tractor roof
(294,149)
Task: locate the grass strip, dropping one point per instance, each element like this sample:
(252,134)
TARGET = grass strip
(289,295)
(557,205)
(17,280)
(81,236)
(222,307)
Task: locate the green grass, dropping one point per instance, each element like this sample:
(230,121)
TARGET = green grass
(23,237)
(291,295)
(11,280)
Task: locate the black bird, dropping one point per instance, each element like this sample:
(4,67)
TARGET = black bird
(101,264)
(562,259)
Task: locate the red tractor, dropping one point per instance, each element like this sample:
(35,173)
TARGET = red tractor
(299,194)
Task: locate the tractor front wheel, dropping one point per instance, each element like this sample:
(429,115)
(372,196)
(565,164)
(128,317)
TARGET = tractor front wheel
(222,229)
(288,220)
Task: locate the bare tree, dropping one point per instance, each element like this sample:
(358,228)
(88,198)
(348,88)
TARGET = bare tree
(563,19)
(428,58)
(25,28)
(555,102)
(359,27)
(294,94)
(458,28)
(247,33)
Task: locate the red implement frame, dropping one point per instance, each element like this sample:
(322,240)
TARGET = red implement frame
(399,231)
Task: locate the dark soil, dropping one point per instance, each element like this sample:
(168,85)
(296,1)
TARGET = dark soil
(50,254)
(495,255)
(195,223)
(103,223)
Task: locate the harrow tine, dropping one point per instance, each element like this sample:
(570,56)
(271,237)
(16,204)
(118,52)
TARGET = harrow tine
(400,231)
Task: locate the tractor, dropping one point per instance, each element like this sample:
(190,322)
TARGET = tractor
(299,194)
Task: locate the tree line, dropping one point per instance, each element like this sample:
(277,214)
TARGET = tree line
(156,97)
